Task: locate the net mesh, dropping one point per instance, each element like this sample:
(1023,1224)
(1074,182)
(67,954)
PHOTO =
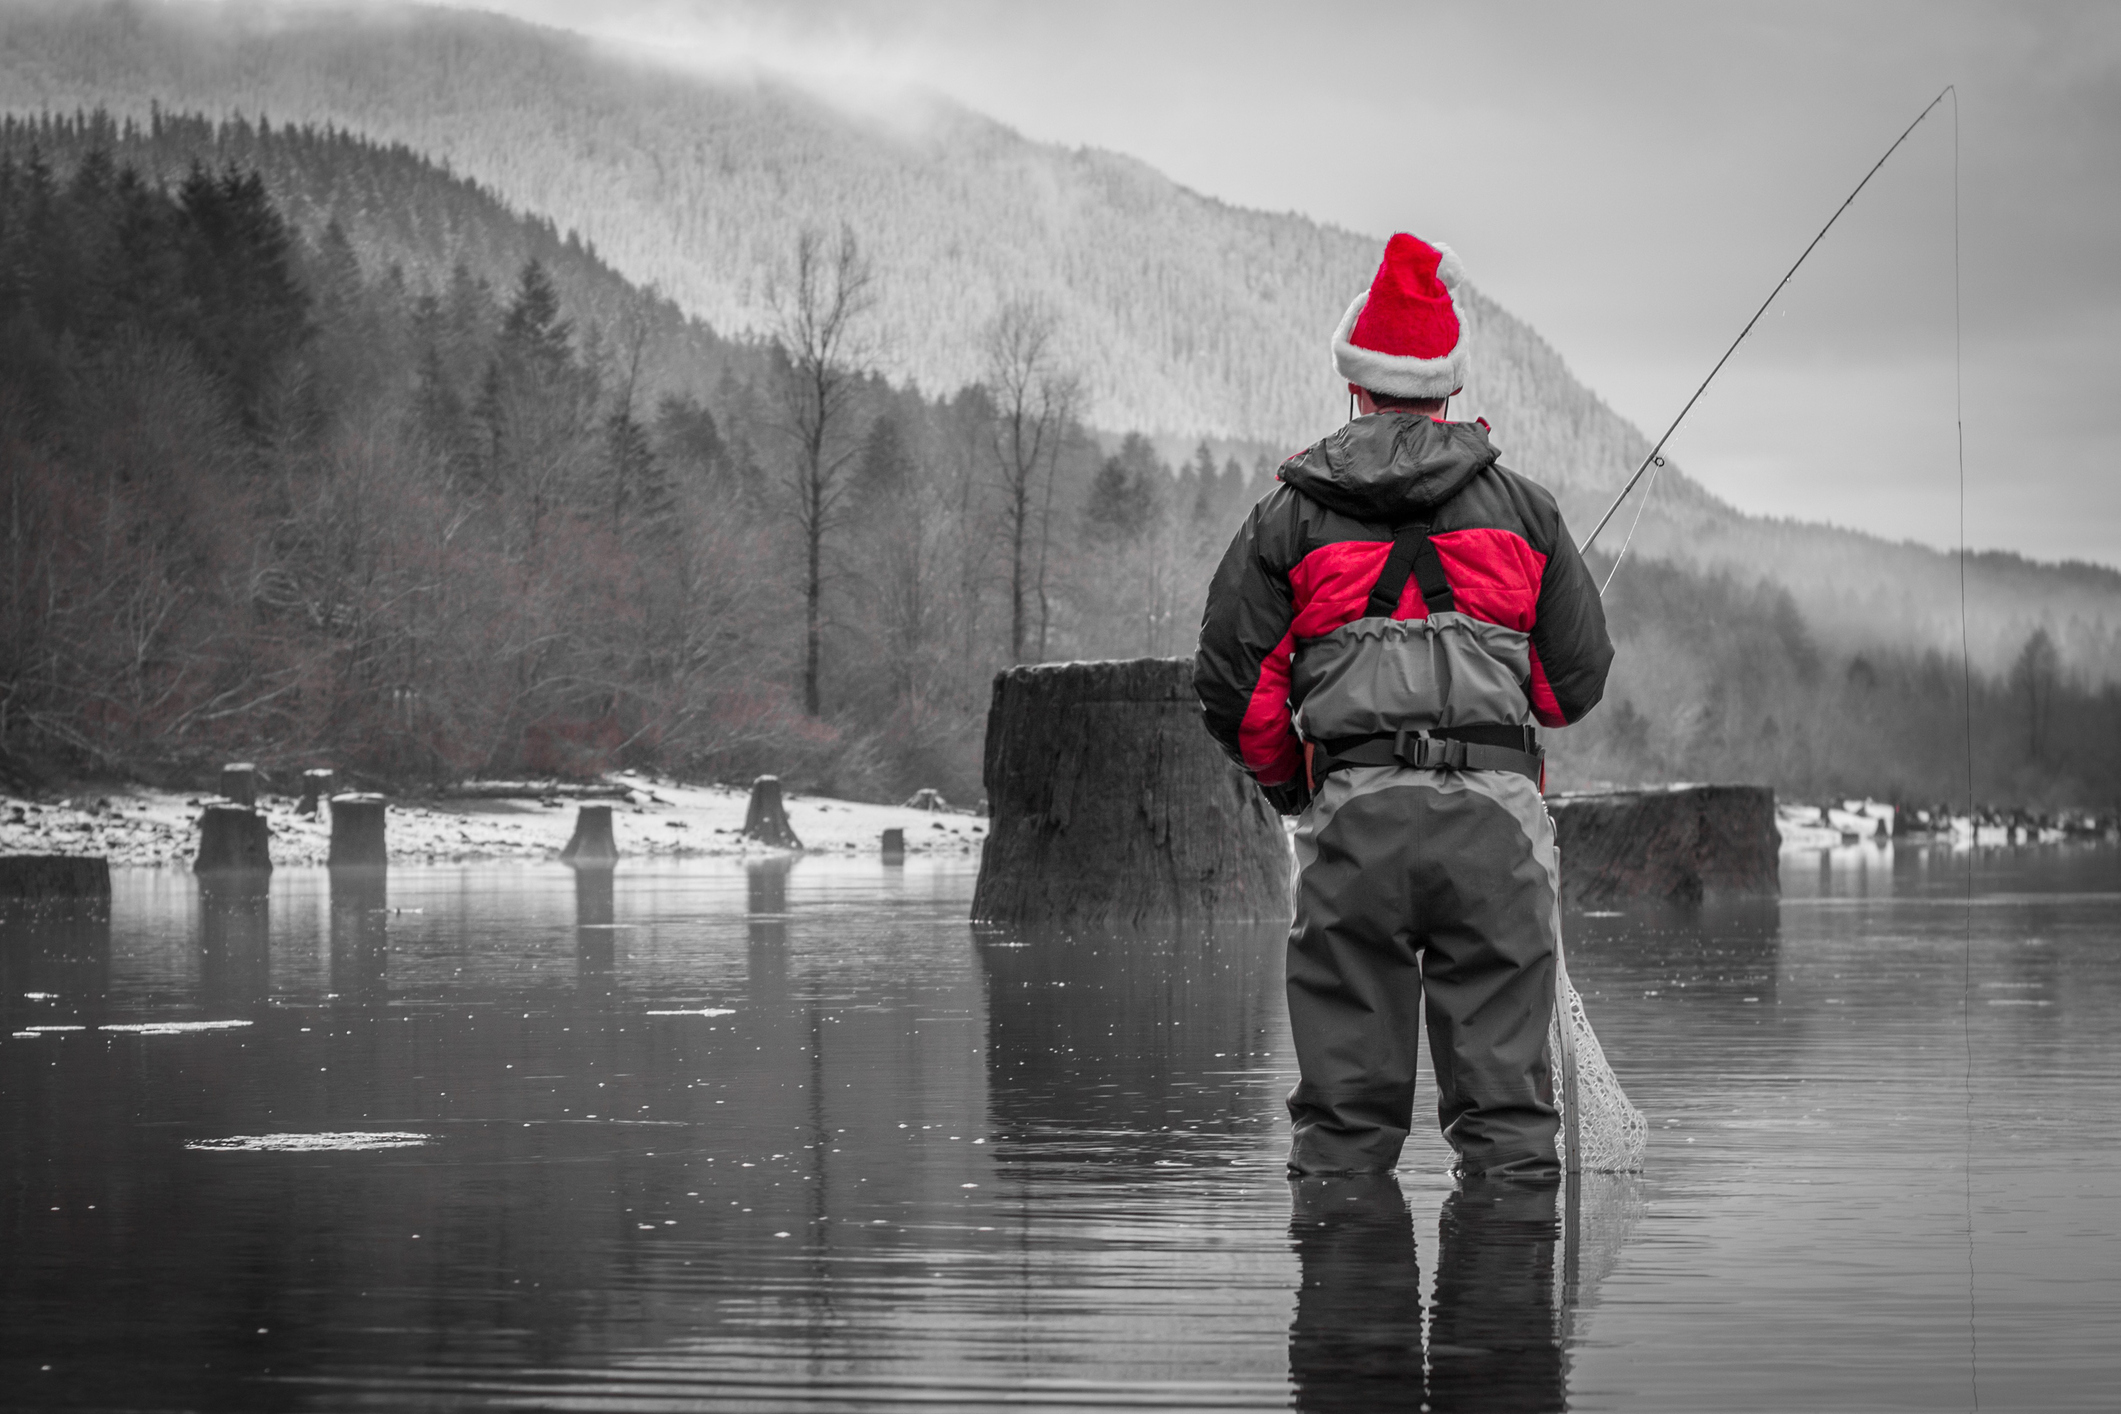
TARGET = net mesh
(1609,1133)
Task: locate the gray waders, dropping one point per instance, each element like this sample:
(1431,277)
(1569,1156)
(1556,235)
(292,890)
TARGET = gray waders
(1424,889)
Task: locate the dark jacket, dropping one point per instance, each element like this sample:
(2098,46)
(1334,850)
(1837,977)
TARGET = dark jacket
(1288,652)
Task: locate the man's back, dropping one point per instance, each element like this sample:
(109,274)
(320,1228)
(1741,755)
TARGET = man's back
(1290,624)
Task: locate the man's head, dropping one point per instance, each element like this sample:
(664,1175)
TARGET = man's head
(1401,340)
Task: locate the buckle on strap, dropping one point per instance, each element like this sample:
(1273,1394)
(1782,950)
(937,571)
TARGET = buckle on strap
(1428,753)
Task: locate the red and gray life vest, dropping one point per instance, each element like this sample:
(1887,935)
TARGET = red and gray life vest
(1400,579)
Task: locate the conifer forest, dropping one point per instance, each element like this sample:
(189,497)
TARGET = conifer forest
(313,452)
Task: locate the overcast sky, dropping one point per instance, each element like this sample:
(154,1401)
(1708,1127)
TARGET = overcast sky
(1631,179)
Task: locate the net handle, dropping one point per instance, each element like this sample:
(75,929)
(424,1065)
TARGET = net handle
(1565,1027)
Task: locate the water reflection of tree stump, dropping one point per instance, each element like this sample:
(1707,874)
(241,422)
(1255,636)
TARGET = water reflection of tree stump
(1677,844)
(1094,1033)
(592,846)
(54,876)
(767,819)
(57,948)
(235,936)
(360,935)
(595,940)
(233,839)
(1111,806)
(357,832)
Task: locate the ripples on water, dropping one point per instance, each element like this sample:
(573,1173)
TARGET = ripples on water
(803,1138)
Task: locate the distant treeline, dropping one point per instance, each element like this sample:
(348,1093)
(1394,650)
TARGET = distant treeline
(287,493)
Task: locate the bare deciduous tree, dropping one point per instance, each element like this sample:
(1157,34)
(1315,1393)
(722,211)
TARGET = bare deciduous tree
(818,312)
(1032,401)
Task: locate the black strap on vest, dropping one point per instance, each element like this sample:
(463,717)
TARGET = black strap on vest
(1413,553)
(1479,746)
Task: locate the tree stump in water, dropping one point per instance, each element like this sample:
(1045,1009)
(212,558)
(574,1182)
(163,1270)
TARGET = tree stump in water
(1675,844)
(895,846)
(233,839)
(54,876)
(592,846)
(1111,806)
(767,819)
(239,783)
(316,788)
(357,837)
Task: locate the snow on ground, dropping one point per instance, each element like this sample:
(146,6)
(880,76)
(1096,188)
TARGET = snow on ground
(657,818)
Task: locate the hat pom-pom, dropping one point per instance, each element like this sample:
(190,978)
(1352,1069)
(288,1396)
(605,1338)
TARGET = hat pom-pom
(1450,270)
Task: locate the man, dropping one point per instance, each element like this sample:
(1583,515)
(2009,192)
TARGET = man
(1378,641)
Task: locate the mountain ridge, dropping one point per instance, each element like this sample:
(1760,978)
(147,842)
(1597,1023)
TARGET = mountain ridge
(1183,305)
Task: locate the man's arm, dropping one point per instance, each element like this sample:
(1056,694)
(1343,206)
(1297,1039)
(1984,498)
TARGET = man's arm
(1242,669)
(1571,651)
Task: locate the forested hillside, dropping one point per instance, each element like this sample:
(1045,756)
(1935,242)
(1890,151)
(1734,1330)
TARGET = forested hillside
(312,452)
(1182,316)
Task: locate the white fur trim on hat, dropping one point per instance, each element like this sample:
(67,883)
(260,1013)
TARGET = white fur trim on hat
(1396,375)
(1450,270)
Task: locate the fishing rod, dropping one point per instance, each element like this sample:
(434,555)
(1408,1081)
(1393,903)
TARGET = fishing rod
(1656,456)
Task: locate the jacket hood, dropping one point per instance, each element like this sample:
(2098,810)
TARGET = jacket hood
(1391,466)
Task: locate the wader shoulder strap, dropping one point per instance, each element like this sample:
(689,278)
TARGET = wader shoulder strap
(1413,553)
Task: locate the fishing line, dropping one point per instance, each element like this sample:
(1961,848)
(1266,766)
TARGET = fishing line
(1966,675)
(1655,461)
(1656,456)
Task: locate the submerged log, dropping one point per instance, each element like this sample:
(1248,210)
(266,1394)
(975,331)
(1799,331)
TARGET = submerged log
(233,839)
(1674,844)
(592,845)
(1111,806)
(317,786)
(767,819)
(54,876)
(239,783)
(357,832)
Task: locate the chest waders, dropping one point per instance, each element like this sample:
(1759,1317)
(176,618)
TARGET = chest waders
(1428,886)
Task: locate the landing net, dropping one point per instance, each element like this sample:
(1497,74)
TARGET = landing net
(1600,1131)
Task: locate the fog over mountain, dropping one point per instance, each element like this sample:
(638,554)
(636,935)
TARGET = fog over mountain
(1186,316)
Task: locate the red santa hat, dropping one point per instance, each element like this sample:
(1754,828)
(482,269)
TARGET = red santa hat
(1402,336)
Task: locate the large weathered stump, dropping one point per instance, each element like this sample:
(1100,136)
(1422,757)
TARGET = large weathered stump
(1676,844)
(592,846)
(357,834)
(895,846)
(1112,807)
(317,786)
(233,839)
(767,819)
(54,876)
(239,783)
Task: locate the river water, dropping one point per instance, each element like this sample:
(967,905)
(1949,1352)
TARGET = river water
(799,1137)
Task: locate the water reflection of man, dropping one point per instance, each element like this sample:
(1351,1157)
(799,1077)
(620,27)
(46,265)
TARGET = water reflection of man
(1493,1339)
(1356,1341)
